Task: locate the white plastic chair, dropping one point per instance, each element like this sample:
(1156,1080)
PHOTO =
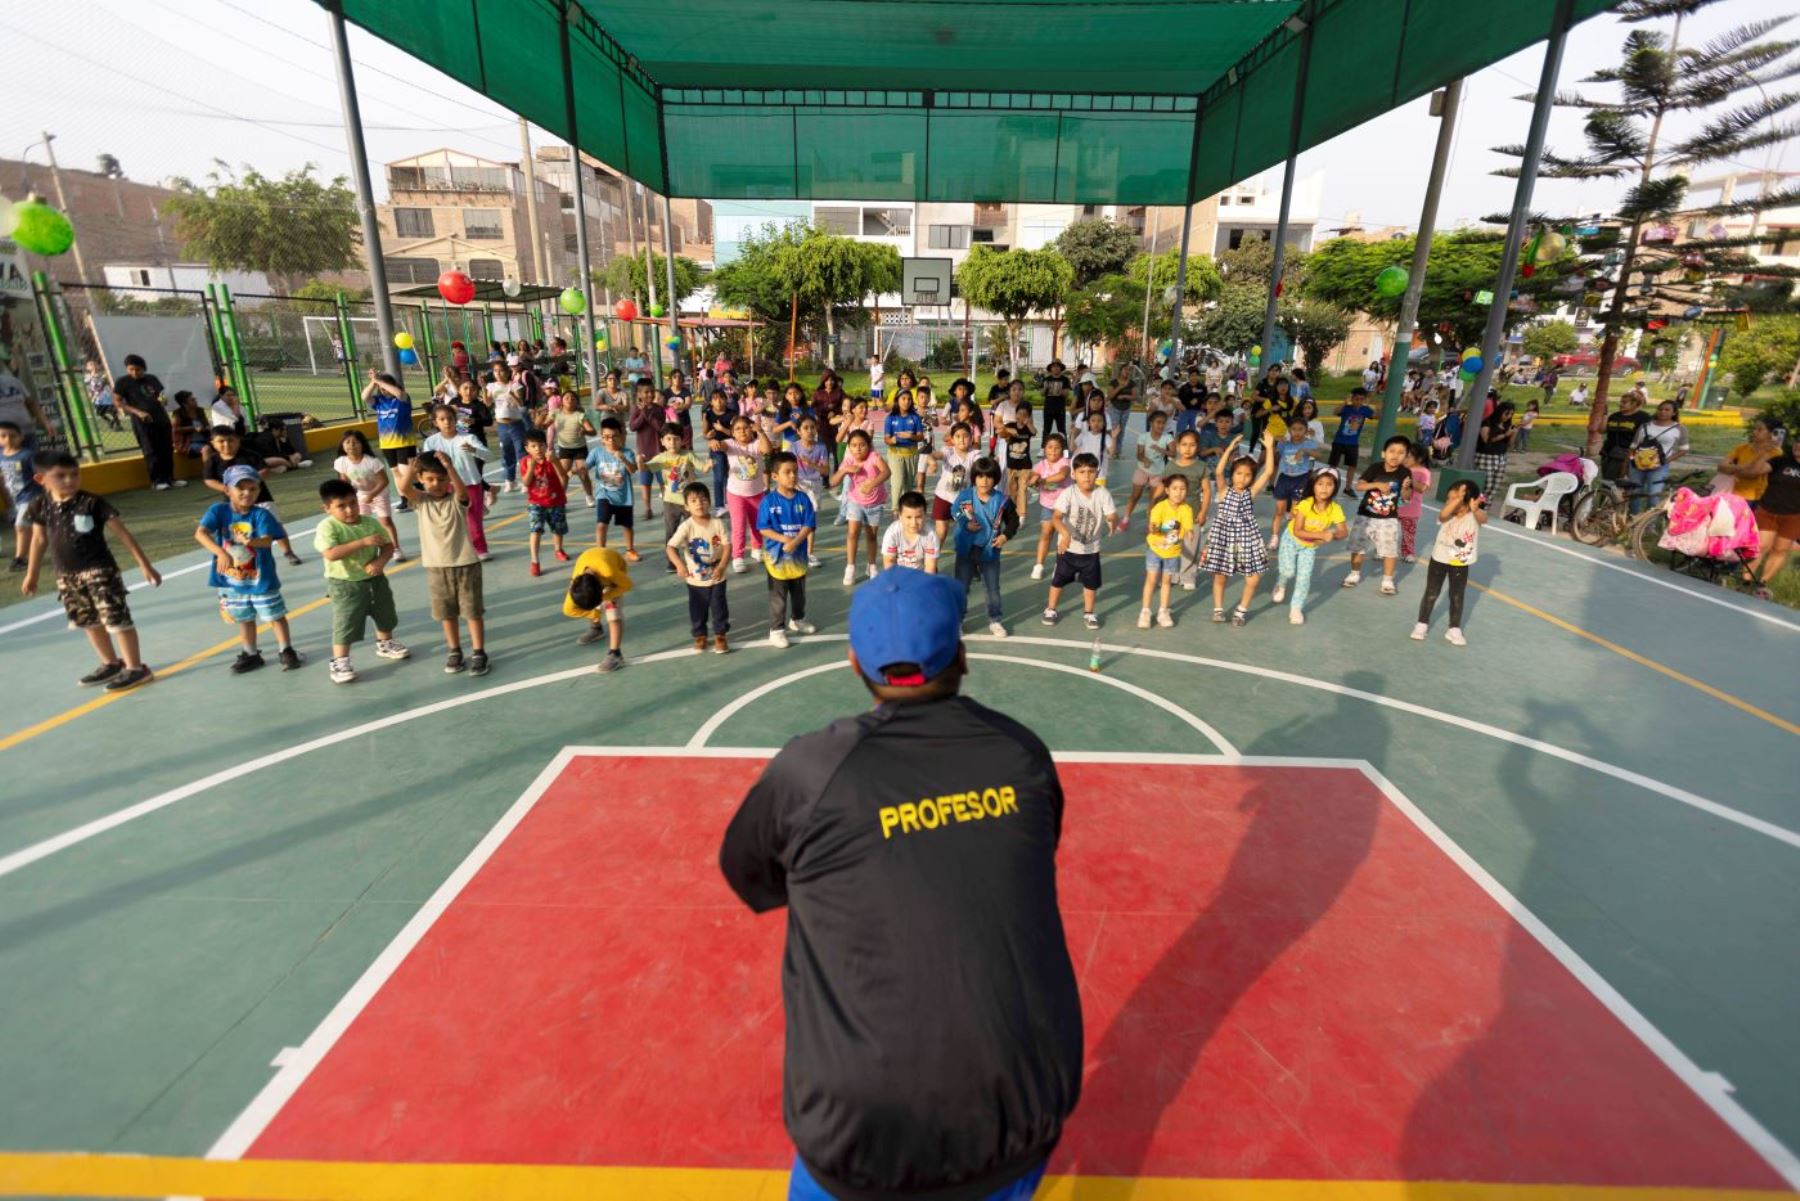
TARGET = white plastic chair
(1550,491)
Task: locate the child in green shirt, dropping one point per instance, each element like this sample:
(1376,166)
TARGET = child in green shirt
(676,468)
(356,550)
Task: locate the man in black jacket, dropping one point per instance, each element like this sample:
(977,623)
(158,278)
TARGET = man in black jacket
(933,1026)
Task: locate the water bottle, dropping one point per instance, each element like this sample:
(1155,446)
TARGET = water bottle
(1094,657)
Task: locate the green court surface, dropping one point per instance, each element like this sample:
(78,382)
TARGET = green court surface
(193,874)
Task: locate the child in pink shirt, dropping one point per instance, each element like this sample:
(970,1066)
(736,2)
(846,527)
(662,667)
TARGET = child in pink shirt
(1416,458)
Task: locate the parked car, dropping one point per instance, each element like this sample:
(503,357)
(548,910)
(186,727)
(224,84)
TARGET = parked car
(1586,362)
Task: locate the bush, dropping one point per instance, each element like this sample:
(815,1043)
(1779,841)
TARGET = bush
(1784,413)
(945,353)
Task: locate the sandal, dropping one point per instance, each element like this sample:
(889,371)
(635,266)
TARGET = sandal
(1239,615)
(1218,615)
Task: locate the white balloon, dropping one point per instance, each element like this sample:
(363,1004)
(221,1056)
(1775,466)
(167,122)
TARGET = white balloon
(510,286)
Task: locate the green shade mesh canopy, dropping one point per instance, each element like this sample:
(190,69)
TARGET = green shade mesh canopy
(901,100)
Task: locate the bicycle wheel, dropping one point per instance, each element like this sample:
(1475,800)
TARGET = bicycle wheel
(1599,518)
(1646,531)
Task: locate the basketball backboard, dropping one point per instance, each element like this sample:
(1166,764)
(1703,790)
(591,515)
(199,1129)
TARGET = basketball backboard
(925,281)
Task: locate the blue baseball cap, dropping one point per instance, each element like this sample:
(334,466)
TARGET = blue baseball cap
(906,616)
(237,475)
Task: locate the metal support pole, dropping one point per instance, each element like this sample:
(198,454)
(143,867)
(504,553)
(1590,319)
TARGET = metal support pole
(347,340)
(1187,227)
(365,193)
(583,263)
(531,204)
(650,286)
(679,355)
(62,202)
(1287,183)
(428,357)
(1150,285)
(80,432)
(1515,230)
(245,386)
(1415,284)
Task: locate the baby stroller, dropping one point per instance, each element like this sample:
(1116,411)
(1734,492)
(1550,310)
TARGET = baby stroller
(1707,537)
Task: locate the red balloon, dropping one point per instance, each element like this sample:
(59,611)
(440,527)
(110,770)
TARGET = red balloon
(456,287)
(626,310)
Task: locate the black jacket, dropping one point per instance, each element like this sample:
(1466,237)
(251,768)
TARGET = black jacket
(933,1026)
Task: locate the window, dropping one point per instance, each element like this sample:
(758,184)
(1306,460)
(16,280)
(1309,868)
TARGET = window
(838,221)
(483,224)
(140,276)
(981,235)
(571,242)
(406,179)
(1090,210)
(886,223)
(950,237)
(487,269)
(410,271)
(414,223)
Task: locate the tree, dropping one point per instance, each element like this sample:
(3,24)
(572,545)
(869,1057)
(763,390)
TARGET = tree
(1014,284)
(1094,246)
(1105,310)
(1768,349)
(625,276)
(756,282)
(831,272)
(319,297)
(1317,327)
(1160,270)
(1462,265)
(290,228)
(108,165)
(1656,78)
(1235,324)
(1549,339)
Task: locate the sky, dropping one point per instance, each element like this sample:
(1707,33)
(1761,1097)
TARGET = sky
(168,86)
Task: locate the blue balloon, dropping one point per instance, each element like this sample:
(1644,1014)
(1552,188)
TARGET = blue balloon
(409,357)
(1472,365)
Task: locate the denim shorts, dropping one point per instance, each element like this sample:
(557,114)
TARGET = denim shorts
(1155,564)
(866,514)
(243,606)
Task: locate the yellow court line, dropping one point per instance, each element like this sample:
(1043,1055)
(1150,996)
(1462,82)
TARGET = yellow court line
(69,1175)
(107,698)
(1716,693)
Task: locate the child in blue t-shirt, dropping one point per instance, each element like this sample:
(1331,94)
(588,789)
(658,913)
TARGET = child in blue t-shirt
(984,519)
(1352,415)
(20,484)
(238,533)
(612,467)
(902,432)
(786,520)
(1294,456)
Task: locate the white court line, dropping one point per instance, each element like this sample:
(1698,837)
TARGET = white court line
(42,850)
(296,1067)
(712,724)
(1710,1087)
(1545,542)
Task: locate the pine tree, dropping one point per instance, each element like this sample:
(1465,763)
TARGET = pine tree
(1727,80)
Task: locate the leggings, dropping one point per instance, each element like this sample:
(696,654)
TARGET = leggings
(743,522)
(512,447)
(1056,420)
(718,481)
(476,516)
(1294,561)
(905,470)
(1409,536)
(1434,582)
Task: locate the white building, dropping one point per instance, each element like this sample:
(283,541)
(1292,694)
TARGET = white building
(138,281)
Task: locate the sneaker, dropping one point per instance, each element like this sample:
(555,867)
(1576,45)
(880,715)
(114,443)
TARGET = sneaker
(1274,541)
(535,569)
(1409,559)
(1090,620)
(800,626)
(1353,579)
(699,644)
(478,663)
(594,633)
(755,554)
(399,556)
(874,571)
(131,677)
(562,556)
(181,483)
(453,662)
(632,555)
(850,576)
(342,672)
(1387,585)
(1165,619)
(1218,615)
(1050,617)
(778,639)
(484,556)
(1239,616)
(1037,571)
(400,506)
(1280,593)
(613,662)
(16,565)
(1455,637)
(290,658)
(102,673)
(814,561)
(737,566)
(720,646)
(1143,619)
(293,559)
(1296,618)
(391,648)
(1189,585)
(1418,632)
(306,462)
(996,629)
(246,661)
(159,487)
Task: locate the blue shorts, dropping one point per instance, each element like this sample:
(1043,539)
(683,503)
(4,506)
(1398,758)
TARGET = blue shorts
(243,606)
(1293,487)
(802,1186)
(1155,564)
(608,513)
(555,519)
(646,478)
(865,514)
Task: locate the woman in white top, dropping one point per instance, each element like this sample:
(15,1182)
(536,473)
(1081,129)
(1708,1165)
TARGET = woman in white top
(228,409)
(507,398)
(1658,443)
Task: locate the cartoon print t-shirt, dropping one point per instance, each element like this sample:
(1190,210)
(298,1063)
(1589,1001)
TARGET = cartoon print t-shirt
(1455,542)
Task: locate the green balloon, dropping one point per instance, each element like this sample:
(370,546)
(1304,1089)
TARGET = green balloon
(657,310)
(572,301)
(40,229)
(1392,281)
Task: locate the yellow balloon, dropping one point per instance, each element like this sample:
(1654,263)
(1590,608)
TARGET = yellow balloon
(403,340)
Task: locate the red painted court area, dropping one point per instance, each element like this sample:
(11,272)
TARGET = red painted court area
(1283,978)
